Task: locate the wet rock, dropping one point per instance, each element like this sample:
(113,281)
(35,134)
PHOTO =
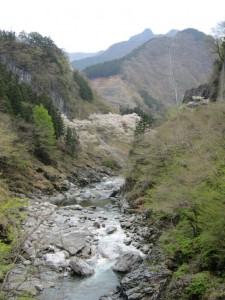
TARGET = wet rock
(76,207)
(115,294)
(96,224)
(126,261)
(80,267)
(112,251)
(127,241)
(110,229)
(125,224)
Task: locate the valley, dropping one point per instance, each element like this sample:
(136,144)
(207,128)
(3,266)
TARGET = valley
(109,189)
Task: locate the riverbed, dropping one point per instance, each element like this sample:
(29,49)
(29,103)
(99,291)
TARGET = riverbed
(83,225)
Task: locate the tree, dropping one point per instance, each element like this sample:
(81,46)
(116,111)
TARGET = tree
(219,40)
(72,141)
(84,89)
(44,134)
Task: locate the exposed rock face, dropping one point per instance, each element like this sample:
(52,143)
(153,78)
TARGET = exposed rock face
(205,91)
(146,282)
(126,261)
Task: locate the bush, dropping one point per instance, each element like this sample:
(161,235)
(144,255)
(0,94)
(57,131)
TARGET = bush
(198,285)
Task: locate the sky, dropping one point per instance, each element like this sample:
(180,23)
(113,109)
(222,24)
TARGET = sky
(93,25)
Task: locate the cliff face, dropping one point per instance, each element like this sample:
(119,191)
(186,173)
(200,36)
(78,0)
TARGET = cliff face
(39,63)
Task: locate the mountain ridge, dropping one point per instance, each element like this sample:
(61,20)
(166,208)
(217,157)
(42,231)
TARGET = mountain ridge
(150,68)
(115,51)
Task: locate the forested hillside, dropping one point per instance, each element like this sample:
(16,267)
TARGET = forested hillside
(176,172)
(155,68)
(115,51)
(38,63)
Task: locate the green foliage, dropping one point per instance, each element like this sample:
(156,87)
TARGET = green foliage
(10,218)
(112,164)
(105,69)
(7,35)
(84,89)
(71,142)
(178,171)
(147,120)
(198,285)
(144,123)
(152,103)
(44,134)
(183,269)
(18,99)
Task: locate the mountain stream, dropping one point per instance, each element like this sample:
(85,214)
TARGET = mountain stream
(98,214)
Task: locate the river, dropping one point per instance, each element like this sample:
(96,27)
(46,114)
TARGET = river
(98,207)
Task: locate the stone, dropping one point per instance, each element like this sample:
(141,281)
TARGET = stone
(127,241)
(80,267)
(126,261)
(39,287)
(110,229)
(73,241)
(96,224)
(56,260)
(126,224)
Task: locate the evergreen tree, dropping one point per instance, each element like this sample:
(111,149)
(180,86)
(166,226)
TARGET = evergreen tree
(84,89)
(44,134)
(72,141)
(14,95)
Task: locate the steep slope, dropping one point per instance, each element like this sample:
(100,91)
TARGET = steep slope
(39,63)
(115,51)
(150,68)
(177,173)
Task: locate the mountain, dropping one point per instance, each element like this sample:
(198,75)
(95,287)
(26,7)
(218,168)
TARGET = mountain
(172,33)
(80,55)
(115,51)
(40,64)
(146,74)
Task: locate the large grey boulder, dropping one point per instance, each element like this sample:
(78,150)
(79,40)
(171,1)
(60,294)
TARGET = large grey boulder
(80,267)
(126,261)
(56,260)
(72,242)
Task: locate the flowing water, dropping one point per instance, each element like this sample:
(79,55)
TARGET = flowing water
(107,247)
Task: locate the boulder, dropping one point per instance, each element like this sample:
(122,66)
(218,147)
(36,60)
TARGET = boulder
(72,242)
(126,261)
(111,229)
(80,267)
(56,260)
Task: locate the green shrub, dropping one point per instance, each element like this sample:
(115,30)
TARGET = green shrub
(111,164)
(198,285)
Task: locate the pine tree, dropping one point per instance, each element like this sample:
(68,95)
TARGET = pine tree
(72,141)
(44,134)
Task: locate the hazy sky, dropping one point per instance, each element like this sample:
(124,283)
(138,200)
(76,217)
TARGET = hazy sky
(92,25)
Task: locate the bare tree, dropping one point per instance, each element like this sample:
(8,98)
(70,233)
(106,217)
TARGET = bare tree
(219,40)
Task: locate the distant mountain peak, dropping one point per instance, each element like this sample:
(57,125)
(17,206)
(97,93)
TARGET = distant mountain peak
(143,36)
(172,32)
